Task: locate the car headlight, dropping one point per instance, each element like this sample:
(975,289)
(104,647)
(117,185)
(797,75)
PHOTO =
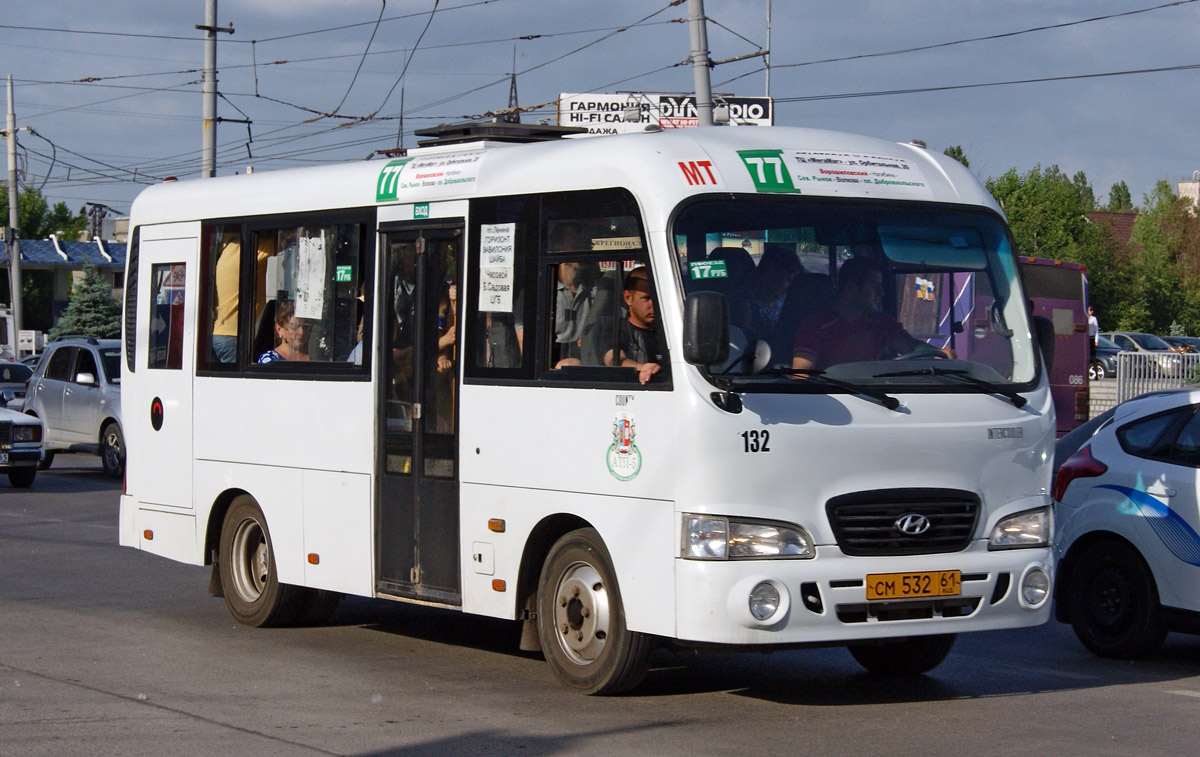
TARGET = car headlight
(1031,528)
(707,537)
(27,433)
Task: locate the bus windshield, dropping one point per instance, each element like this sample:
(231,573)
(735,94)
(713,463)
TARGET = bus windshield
(932,294)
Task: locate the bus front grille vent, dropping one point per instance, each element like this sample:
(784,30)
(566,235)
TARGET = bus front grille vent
(903,521)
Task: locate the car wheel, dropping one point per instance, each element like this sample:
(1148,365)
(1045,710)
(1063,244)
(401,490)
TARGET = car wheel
(1096,371)
(904,657)
(22,478)
(249,579)
(1113,602)
(112,451)
(581,622)
(46,461)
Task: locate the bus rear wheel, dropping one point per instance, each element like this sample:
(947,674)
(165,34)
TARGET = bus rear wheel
(581,622)
(249,579)
(904,657)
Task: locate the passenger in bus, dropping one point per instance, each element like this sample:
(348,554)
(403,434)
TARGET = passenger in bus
(573,302)
(637,342)
(291,335)
(757,302)
(852,329)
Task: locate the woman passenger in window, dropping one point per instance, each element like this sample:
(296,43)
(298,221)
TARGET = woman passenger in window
(291,335)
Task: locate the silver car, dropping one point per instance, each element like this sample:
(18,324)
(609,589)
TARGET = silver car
(76,392)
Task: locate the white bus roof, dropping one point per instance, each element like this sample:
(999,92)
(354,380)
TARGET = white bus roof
(661,168)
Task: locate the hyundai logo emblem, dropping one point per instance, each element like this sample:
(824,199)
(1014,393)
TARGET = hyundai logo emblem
(912,524)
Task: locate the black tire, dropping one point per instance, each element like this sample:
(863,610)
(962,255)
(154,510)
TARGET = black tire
(22,478)
(249,579)
(1113,602)
(904,657)
(317,607)
(112,450)
(581,622)
(1096,371)
(46,461)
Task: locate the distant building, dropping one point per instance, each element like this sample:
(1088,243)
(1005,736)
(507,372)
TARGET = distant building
(66,261)
(1191,189)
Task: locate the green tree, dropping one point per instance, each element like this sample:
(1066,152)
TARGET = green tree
(1087,197)
(1045,209)
(1167,268)
(36,219)
(957,153)
(91,309)
(1119,199)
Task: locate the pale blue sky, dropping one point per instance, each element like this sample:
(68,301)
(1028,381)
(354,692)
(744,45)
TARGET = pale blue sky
(1135,127)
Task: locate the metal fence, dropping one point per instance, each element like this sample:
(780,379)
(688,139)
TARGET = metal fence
(1141,372)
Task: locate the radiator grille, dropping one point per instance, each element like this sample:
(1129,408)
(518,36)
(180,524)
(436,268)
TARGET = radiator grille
(865,524)
(6,432)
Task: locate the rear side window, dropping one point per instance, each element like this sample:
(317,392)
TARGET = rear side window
(1149,437)
(11,374)
(59,365)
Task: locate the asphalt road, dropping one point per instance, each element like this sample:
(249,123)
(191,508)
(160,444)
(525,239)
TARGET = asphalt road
(106,650)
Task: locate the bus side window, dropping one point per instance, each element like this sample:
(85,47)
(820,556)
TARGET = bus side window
(497,303)
(222,264)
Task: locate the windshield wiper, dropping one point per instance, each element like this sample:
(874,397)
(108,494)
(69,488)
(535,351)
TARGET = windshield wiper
(887,400)
(961,374)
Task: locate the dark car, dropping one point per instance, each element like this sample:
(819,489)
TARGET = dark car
(1183,343)
(1105,364)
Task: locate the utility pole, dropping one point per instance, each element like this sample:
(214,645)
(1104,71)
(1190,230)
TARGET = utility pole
(700,62)
(14,247)
(767,57)
(208,78)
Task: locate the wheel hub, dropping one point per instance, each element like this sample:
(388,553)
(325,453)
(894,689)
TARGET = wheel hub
(581,613)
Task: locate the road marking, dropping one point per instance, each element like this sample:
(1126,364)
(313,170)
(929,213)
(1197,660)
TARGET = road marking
(1185,693)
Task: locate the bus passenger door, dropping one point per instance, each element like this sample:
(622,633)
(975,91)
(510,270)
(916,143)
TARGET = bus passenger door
(158,413)
(418,455)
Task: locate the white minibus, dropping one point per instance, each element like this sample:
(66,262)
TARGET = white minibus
(698,387)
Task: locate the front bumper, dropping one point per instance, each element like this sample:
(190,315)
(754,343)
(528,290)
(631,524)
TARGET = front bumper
(823,600)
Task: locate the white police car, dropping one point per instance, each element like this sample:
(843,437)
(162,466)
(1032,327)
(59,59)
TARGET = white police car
(1128,523)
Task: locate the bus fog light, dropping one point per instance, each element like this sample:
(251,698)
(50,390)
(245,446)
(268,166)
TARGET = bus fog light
(1035,587)
(764,601)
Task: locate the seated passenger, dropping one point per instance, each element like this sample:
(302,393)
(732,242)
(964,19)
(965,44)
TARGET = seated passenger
(637,342)
(291,336)
(852,330)
(759,298)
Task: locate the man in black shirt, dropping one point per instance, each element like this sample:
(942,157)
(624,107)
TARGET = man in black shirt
(636,339)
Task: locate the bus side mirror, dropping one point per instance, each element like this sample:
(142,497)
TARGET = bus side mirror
(1043,329)
(706,328)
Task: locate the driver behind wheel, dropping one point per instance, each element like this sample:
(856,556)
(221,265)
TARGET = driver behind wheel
(852,329)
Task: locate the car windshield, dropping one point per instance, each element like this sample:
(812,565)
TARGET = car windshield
(13,373)
(111,358)
(1105,343)
(1149,342)
(932,295)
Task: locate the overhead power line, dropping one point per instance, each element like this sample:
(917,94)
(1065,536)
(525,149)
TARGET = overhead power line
(984,38)
(949,87)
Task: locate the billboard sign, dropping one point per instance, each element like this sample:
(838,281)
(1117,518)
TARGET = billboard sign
(634,111)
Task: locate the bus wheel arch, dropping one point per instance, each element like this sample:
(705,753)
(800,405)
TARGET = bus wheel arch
(581,619)
(541,540)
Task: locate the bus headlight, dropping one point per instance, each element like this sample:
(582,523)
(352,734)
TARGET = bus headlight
(1031,528)
(707,537)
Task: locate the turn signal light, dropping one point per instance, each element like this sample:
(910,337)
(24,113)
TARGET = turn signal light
(498,584)
(148,535)
(314,558)
(496,525)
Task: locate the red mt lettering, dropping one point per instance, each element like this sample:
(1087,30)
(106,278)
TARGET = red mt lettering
(695,172)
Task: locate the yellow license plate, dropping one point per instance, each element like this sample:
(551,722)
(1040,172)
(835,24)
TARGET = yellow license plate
(930,583)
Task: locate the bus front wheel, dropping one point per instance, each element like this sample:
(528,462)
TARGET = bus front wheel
(249,578)
(581,622)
